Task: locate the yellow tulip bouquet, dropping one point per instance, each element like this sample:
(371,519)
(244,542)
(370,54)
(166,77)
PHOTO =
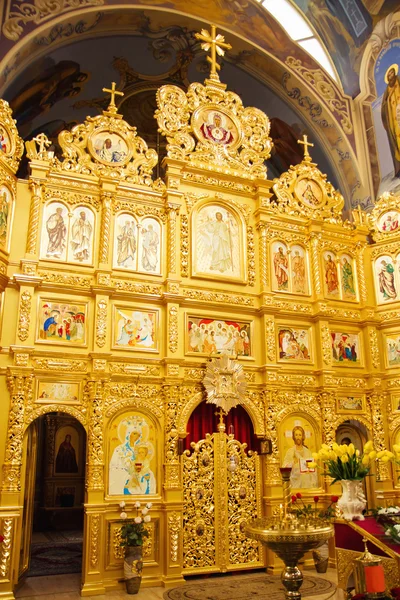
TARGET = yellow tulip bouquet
(345,462)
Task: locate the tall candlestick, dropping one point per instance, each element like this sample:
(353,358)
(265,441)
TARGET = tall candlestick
(285,472)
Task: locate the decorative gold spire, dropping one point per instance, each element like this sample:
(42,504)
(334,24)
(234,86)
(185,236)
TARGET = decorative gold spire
(112,107)
(217,45)
(304,142)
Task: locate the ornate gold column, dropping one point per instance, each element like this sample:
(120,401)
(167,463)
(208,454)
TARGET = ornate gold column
(262,228)
(95,453)
(360,250)
(34,216)
(105,229)
(377,407)
(327,401)
(173,211)
(316,274)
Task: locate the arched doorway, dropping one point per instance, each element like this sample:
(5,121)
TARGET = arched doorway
(53,512)
(221,490)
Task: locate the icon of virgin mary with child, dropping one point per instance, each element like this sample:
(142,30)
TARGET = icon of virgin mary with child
(130,472)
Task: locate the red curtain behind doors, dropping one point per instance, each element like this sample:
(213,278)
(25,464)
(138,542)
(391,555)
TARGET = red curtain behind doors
(204,420)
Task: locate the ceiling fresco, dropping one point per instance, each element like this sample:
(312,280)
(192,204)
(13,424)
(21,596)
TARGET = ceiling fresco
(64,87)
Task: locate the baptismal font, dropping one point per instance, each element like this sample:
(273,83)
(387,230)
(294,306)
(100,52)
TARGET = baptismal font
(290,538)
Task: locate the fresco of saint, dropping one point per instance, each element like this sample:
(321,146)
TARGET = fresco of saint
(386,281)
(299,273)
(56,232)
(390,113)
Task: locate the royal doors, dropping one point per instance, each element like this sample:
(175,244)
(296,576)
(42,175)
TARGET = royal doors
(222,490)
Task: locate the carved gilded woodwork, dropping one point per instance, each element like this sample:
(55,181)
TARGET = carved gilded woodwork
(171,459)
(174,529)
(25,308)
(173,331)
(12,156)
(94,540)
(105,230)
(36,186)
(95,463)
(101,322)
(7,531)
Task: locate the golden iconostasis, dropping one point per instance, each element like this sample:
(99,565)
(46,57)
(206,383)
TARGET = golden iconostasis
(117,289)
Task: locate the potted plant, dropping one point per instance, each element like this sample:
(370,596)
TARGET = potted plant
(133,533)
(349,466)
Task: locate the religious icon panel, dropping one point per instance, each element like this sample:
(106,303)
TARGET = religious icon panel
(67,450)
(309,192)
(55,232)
(135,329)
(6,206)
(56,392)
(350,404)
(125,242)
(108,147)
(347,277)
(389,221)
(62,322)
(149,250)
(5,141)
(216,126)
(289,268)
(132,456)
(346,349)
(297,442)
(208,335)
(386,281)
(217,244)
(294,344)
(331,277)
(80,242)
(392,345)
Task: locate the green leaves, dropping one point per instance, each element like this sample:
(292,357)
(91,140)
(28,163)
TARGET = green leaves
(133,534)
(352,469)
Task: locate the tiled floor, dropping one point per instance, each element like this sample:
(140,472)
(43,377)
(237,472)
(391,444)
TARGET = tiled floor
(66,587)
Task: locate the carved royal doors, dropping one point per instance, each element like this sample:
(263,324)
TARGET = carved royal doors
(222,490)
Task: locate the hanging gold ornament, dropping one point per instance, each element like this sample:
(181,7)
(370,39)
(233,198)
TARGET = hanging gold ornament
(225,383)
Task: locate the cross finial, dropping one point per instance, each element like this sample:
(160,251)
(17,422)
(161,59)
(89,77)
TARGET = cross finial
(111,107)
(217,45)
(43,142)
(304,142)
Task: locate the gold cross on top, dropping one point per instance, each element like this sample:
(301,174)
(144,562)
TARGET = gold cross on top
(43,142)
(111,107)
(306,144)
(217,45)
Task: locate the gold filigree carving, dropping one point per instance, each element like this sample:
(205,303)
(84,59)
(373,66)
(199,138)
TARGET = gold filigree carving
(263,245)
(174,528)
(201,179)
(298,380)
(179,117)
(70,280)
(21,359)
(135,369)
(173,329)
(374,348)
(5,547)
(194,373)
(95,471)
(326,90)
(173,370)
(225,298)
(172,465)
(287,306)
(12,156)
(71,199)
(125,394)
(24,315)
(251,256)
(250,377)
(270,339)
(94,540)
(99,364)
(360,248)
(355,382)
(344,313)
(173,210)
(326,340)
(140,210)
(101,323)
(53,364)
(136,288)
(184,246)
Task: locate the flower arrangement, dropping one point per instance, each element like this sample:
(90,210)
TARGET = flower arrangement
(308,510)
(345,462)
(134,532)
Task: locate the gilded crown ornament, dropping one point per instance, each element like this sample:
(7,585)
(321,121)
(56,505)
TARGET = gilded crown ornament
(225,382)
(107,146)
(209,127)
(304,191)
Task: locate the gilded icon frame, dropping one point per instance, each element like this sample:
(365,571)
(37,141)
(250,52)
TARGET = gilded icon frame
(96,157)
(215,204)
(133,309)
(214,319)
(281,327)
(40,339)
(357,364)
(386,337)
(341,409)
